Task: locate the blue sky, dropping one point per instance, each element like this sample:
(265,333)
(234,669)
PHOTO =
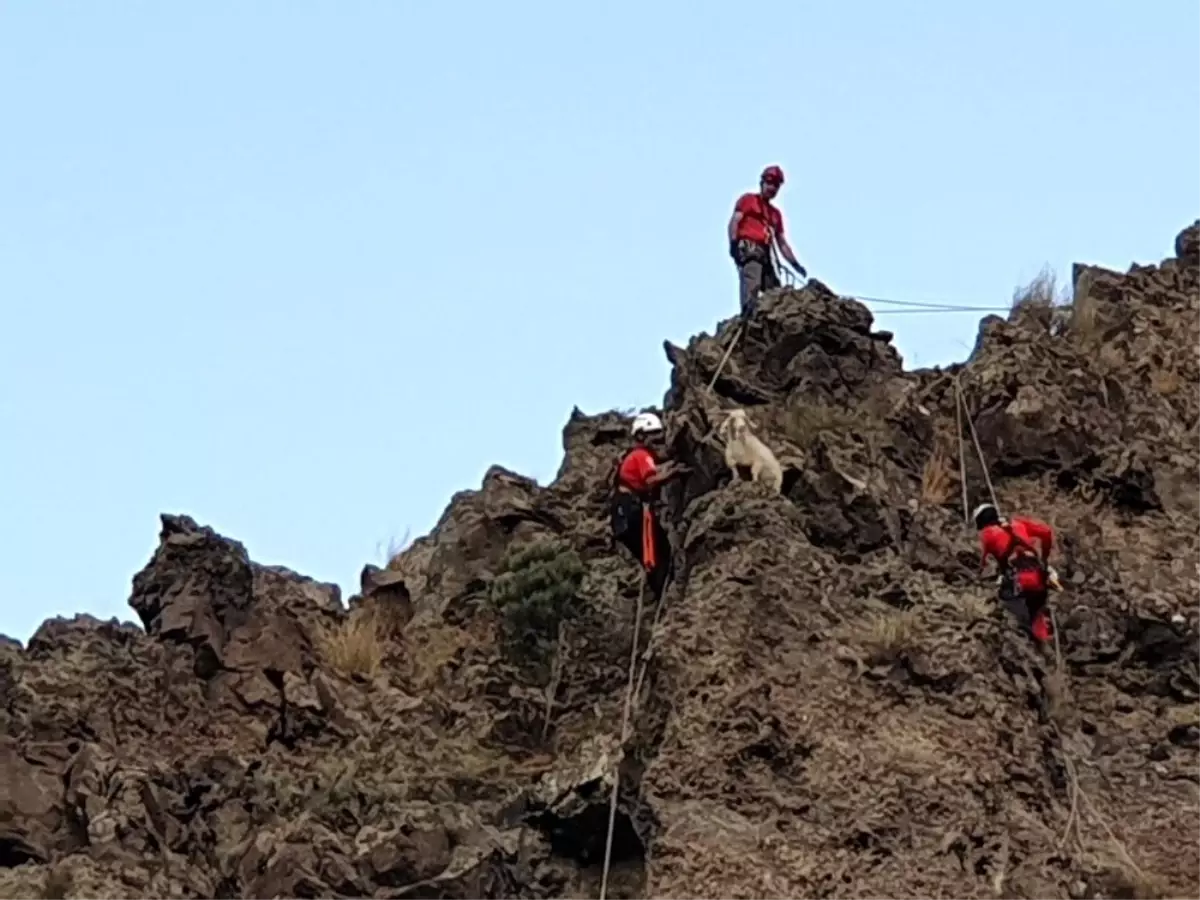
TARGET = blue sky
(305,269)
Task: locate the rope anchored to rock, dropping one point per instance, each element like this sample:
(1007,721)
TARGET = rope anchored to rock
(909,306)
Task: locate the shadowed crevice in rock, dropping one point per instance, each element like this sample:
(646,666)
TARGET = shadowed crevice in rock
(582,837)
(15,852)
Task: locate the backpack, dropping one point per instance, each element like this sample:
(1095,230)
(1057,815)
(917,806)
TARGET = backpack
(1031,561)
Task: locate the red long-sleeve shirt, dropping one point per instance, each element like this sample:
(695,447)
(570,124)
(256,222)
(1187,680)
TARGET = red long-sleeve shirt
(995,541)
(636,469)
(759,218)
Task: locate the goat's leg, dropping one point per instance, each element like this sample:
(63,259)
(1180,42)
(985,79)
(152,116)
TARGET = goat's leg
(756,469)
(735,475)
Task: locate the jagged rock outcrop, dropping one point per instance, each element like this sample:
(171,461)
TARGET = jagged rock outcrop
(1187,244)
(829,700)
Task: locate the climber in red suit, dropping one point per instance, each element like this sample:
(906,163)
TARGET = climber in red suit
(635,523)
(755,221)
(1025,574)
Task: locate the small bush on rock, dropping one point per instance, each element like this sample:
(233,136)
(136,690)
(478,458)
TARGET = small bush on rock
(535,593)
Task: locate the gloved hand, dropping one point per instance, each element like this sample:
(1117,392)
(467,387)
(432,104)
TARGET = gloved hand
(801,271)
(669,471)
(735,252)
(1052,578)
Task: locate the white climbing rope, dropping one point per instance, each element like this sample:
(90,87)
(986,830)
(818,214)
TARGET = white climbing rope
(724,359)
(962,450)
(966,413)
(612,806)
(908,306)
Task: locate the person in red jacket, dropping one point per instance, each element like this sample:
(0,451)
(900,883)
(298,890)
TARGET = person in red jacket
(1025,574)
(634,522)
(753,225)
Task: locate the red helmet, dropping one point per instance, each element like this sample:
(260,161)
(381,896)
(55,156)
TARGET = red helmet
(773,174)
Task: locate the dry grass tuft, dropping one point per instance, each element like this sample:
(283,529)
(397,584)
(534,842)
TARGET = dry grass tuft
(395,549)
(938,479)
(886,635)
(913,753)
(355,647)
(1041,293)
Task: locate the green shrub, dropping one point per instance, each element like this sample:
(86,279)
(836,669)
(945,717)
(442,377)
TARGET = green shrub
(537,590)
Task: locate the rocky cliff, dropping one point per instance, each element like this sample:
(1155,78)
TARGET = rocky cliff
(828,700)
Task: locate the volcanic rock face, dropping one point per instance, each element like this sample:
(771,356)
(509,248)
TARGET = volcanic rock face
(829,701)
(1187,245)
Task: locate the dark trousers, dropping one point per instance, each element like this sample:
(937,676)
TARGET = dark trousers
(756,272)
(627,514)
(1024,605)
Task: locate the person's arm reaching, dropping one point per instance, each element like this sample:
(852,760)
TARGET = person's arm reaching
(665,472)
(786,250)
(985,550)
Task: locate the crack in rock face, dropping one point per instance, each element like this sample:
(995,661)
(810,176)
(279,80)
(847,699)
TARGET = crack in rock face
(828,699)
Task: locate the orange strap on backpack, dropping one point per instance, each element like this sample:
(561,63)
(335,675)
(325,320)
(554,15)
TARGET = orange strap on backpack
(648,558)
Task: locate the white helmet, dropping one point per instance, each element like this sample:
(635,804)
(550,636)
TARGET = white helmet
(646,423)
(985,514)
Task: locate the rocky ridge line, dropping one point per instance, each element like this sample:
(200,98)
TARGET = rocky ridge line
(833,706)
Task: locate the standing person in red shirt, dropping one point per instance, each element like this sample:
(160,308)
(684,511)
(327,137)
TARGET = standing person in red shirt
(1025,573)
(634,521)
(755,221)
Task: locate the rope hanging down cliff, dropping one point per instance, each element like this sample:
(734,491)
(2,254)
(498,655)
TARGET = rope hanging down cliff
(962,412)
(1079,797)
(629,691)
